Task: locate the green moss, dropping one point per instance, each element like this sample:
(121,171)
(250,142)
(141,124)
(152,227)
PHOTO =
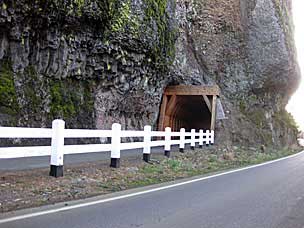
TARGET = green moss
(4,6)
(79,3)
(62,105)
(285,118)
(258,118)
(268,139)
(255,115)
(79,6)
(34,100)
(71,99)
(164,52)
(122,22)
(243,106)
(88,105)
(95,11)
(8,95)
(247,102)
(122,18)
(113,20)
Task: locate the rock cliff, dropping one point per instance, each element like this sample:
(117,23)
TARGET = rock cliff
(95,62)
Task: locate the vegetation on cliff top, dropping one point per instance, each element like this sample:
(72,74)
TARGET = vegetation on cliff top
(150,27)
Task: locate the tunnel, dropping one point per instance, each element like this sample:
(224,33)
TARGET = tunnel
(189,112)
(189,107)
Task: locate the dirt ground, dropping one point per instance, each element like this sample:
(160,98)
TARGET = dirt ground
(31,188)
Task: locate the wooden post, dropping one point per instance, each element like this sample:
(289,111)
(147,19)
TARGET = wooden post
(169,114)
(192,90)
(56,169)
(213,113)
(162,114)
(171,104)
(192,139)
(212,138)
(115,145)
(147,142)
(207,138)
(168,142)
(201,138)
(206,99)
(182,140)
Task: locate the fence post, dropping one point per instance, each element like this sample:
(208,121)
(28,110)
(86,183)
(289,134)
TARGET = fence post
(57,144)
(212,137)
(207,138)
(192,139)
(115,145)
(167,141)
(201,138)
(147,143)
(182,140)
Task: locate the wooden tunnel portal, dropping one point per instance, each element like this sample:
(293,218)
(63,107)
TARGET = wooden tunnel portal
(189,107)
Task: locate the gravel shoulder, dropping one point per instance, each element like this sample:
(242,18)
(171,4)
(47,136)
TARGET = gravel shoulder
(32,188)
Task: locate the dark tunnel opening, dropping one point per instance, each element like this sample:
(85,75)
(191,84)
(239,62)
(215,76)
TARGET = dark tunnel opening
(189,112)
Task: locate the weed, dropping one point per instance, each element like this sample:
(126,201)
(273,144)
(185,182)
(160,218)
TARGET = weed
(174,165)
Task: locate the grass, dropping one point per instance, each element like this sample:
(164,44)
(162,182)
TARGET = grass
(36,188)
(198,163)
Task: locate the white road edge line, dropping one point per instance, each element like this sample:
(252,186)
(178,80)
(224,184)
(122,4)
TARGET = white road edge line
(66,208)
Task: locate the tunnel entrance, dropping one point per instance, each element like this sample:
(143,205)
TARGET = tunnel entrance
(189,107)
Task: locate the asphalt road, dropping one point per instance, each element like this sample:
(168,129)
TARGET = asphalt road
(270,196)
(43,162)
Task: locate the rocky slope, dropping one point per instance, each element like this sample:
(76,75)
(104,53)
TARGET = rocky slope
(94,62)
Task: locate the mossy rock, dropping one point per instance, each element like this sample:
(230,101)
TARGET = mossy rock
(257,116)
(72,100)
(285,118)
(30,89)
(8,95)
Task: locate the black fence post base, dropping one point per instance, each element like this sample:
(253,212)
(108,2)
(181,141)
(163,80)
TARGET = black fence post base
(115,162)
(167,153)
(181,150)
(56,171)
(192,147)
(146,157)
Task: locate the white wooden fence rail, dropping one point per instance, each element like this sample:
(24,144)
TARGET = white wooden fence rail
(58,133)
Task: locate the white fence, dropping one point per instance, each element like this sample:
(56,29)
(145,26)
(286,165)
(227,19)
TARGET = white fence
(58,133)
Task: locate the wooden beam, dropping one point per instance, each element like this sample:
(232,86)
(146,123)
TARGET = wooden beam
(174,115)
(213,113)
(167,122)
(192,90)
(162,113)
(206,99)
(171,104)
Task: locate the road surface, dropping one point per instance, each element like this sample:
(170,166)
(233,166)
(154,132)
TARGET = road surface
(269,196)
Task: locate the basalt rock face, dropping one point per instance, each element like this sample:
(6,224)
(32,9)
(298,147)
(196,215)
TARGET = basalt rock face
(247,48)
(97,62)
(90,62)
